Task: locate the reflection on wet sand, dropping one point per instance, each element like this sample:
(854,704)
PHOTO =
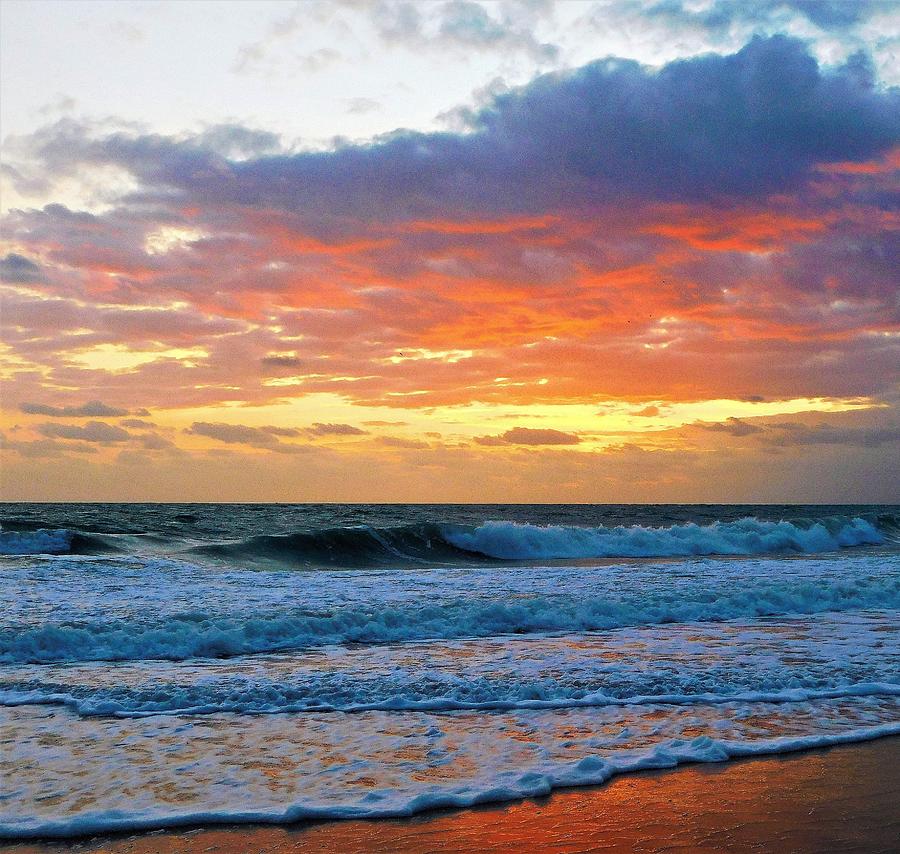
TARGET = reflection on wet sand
(839,800)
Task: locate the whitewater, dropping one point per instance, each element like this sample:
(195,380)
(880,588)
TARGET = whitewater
(165,665)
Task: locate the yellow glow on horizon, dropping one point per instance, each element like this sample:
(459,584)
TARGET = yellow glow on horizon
(598,424)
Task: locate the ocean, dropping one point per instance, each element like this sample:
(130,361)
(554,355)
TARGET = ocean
(174,664)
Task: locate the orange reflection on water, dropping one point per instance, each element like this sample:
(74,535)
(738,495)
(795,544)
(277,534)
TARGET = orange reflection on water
(793,803)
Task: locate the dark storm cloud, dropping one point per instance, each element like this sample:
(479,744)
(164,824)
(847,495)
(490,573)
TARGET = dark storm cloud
(743,125)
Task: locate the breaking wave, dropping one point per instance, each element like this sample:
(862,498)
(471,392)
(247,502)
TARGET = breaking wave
(434,542)
(430,696)
(57,541)
(750,536)
(196,634)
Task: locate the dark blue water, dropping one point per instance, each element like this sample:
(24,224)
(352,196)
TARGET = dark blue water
(355,535)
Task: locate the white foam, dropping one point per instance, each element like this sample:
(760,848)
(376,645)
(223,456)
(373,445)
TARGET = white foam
(786,660)
(750,536)
(43,541)
(334,779)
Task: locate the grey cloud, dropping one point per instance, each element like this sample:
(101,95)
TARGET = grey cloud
(721,15)
(538,436)
(732,426)
(320,429)
(744,125)
(463,24)
(155,442)
(235,434)
(359,106)
(281,431)
(793,433)
(93,431)
(17,269)
(284,362)
(49,448)
(399,442)
(91,409)
(490,440)
(257,437)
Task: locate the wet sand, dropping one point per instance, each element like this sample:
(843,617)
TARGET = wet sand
(836,800)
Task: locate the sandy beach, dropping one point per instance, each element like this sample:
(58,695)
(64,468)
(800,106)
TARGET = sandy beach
(838,800)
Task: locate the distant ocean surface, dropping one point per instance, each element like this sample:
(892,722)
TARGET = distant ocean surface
(168,664)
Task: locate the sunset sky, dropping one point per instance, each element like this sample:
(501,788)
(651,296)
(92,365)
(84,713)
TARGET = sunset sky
(451,251)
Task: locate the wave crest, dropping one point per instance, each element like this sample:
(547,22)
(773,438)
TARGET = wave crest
(191,635)
(435,542)
(750,536)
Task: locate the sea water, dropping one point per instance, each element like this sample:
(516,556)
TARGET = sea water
(164,665)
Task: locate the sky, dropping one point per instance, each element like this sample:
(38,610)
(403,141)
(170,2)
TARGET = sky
(601,251)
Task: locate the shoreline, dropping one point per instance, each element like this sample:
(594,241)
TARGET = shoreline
(839,798)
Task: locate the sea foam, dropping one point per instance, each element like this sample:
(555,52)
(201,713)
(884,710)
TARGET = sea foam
(218,634)
(516,541)
(42,541)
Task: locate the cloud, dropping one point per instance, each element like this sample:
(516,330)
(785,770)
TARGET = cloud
(93,431)
(320,429)
(281,431)
(791,433)
(530,436)
(490,440)
(360,106)
(722,15)
(562,249)
(17,269)
(647,412)
(283,362)
(266,437)
(48,448)
(233,434)
(744,125)
(463,26)
(732,426)
(400,442)
(91,409)
(155,442)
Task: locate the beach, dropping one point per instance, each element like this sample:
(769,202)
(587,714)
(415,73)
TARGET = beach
(839,800)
